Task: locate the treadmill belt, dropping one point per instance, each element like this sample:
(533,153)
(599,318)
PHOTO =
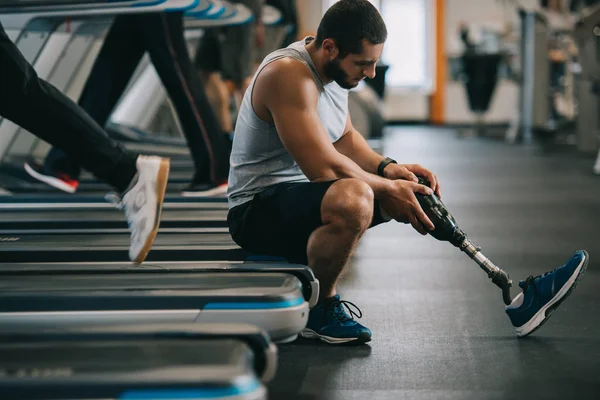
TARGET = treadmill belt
(57,201)
(101,369)
(214,284)
(274,302)
(168,246)
(105,219)
(310,284)
(263,349)
(117,356)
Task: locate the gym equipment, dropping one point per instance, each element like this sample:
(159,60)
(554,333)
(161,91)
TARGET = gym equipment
(133,118)
(57,53)
(535,76)
(310,284)
(127,370)
(447,230)
(587,36)
(263,349)
(44,221)
(481,73)
(17,19)
(233,14)
(92,202)
(273,302)
(211,244)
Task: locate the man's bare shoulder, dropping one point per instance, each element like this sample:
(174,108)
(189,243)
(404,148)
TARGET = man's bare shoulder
(284,84)
(287,73)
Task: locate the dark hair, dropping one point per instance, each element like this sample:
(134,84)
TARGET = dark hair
(348,23)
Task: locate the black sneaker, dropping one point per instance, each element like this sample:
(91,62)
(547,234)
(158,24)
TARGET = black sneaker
(204,190)
(54,178)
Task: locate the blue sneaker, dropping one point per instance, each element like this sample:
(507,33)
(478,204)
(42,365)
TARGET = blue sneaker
(543,294)
(330,323)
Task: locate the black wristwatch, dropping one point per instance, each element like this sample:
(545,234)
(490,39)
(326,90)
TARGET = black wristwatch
(384,164)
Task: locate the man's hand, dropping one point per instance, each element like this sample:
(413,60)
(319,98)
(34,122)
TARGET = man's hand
(410,172)
(402,205)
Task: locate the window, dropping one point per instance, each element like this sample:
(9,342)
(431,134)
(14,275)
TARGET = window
(409,45)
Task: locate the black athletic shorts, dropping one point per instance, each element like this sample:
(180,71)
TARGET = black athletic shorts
(279,220)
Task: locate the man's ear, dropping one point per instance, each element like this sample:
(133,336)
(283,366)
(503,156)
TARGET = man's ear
(330,48)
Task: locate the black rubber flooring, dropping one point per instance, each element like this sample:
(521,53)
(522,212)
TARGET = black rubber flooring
(439,326)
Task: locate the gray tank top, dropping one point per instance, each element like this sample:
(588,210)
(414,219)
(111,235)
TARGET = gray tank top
(258,158)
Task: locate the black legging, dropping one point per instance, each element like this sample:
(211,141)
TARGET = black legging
(162,36)
(39,107)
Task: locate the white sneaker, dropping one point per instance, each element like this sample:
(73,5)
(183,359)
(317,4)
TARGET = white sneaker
(143,203)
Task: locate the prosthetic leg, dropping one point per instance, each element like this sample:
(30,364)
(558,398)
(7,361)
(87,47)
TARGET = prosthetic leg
(447,230)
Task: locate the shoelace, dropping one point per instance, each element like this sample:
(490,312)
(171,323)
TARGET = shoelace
(337,310)
(117,201)
(530,280)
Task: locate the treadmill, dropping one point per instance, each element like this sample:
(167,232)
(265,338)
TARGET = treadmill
(273,302)
(72,212)
(182,245)
(128,370)
(310,284)
(46,221)
(264,352)
(66,201)
(46,16)
(222,13)
(20,16)
(49,213)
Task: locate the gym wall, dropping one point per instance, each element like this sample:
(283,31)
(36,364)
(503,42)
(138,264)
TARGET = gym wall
(404,105)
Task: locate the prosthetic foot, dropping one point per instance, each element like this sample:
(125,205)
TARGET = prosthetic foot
(447,230)
(540,295)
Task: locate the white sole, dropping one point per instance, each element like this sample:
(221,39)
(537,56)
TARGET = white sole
(56,183)
(161,187)
(540,316)
(219,190)
(310,334)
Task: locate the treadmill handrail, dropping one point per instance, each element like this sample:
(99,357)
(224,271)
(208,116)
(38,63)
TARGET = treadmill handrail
(19,20)
(238,15)
(215,11)
(70,5)
(271,15)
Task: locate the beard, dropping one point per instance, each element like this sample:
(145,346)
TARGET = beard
(334,71)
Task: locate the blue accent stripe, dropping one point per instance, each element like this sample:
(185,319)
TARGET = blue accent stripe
(186,394)
(201,12)
(254,306)
(217,14)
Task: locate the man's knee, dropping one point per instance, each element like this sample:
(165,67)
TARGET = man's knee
(349,202)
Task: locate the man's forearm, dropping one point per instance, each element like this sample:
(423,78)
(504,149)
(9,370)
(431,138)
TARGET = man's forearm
(354,146)
(342,167)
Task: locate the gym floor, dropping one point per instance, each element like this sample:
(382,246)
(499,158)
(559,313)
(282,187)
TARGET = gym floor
(439,327)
